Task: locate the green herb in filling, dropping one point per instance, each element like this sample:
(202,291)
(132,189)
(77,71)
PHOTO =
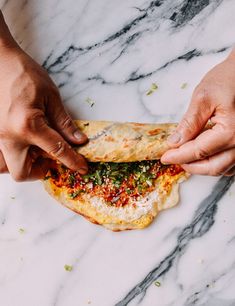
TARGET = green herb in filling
(76,193)
(72,179)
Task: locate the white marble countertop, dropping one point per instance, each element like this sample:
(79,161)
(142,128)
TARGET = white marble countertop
(111,52)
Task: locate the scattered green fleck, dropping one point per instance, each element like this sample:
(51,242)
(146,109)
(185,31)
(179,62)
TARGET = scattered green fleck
(13,198)
(22,230)
(72,179)
(157,283)
(76,193)
(140,188)
(184,85)
(68,268)
(134,178)
(98,177)
(153,87)
(149,92)
(90,102)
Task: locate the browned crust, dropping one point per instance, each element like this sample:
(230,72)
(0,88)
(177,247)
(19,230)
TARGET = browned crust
(124,141)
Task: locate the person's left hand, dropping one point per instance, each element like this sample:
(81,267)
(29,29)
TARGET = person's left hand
(209,152)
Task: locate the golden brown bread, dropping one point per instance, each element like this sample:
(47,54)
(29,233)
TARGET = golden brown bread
(124,141)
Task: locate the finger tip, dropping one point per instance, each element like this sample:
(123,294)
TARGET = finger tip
(79,137)
(164,161)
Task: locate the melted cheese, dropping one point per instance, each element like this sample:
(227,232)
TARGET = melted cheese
(128,212)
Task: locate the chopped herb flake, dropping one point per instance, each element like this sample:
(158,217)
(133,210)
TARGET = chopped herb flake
(72,179)
(117,183)
(68,268)
(157,283)
(22,231)
(153,88)
(76,193)
(184,85)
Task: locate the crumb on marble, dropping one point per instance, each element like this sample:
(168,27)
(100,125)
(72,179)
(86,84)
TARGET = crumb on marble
(90,102)
(184,85)
(68,268)
(153,88)
(157,284)
(211,284)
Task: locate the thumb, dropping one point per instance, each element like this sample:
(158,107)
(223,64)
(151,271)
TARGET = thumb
(199,112)
(63,123)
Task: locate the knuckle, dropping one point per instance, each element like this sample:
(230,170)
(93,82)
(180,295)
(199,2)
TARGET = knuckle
(215,172)
(201,94)
(190,123)
(25,88)
(58,149)
(29,122)
(219,170)
(201,153)
(67,123)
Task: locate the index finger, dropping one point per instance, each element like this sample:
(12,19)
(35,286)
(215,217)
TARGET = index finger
(53,143)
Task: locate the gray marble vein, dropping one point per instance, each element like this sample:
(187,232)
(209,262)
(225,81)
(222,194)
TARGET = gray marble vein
(203,220)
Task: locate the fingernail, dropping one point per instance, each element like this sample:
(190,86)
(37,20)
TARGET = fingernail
(165,160)
(174,138)
(79,135)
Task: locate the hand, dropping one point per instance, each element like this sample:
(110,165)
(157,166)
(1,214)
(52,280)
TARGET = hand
(209,152)
(32,118)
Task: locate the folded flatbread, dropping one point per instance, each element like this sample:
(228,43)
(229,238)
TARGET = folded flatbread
(126,185)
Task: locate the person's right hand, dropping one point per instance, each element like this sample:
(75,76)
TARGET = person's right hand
(210,151)
(32,117)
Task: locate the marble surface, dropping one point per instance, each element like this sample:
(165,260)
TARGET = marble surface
(111,52)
